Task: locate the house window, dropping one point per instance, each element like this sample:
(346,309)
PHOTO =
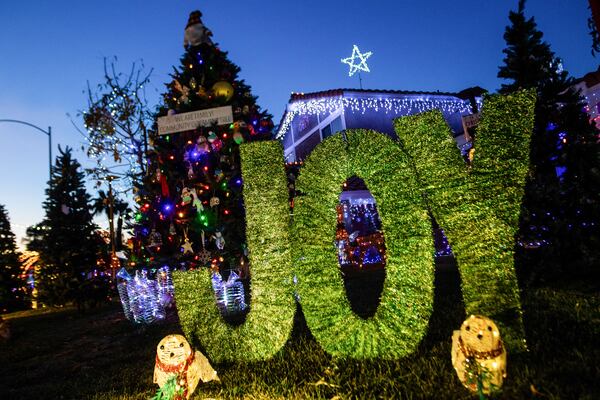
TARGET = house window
(333,127)
(336,125)
(326,131)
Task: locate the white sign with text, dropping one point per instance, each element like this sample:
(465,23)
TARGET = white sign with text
(192,120)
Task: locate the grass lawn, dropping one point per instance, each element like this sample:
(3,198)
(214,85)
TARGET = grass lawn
(100,355)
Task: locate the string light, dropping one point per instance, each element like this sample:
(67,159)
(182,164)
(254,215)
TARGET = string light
(362,57)
(408,104)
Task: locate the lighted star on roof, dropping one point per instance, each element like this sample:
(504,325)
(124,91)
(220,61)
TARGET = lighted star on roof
(357,61)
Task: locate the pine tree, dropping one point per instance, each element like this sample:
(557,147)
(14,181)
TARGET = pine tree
(12,293)
(194,185)
(561,201)
(66,239)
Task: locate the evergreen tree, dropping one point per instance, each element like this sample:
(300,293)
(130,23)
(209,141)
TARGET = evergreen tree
(12,293)
(559,225)
(66,238)
(194,185)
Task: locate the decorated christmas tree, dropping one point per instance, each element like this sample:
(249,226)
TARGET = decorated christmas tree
(191,212)
(562,204)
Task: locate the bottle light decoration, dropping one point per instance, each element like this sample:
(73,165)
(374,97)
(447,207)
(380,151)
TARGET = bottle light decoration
(123,280)
(166,290)
(229,294)
(145,300)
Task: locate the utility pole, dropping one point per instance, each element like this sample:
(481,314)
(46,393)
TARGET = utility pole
(114,260)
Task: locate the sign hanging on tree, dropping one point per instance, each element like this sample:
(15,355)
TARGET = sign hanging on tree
(192,120)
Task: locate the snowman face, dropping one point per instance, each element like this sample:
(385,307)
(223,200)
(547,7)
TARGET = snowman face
(480,333)
(173,350)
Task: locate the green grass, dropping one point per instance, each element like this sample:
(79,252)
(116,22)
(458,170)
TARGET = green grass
(99,355)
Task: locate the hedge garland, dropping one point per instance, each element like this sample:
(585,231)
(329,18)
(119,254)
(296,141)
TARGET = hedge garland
(479,208)
(406,304)
(269,322)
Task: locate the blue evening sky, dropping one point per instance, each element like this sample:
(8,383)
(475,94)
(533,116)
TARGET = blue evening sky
(50,49)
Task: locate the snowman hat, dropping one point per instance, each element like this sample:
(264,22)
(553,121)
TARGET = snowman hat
(194,18)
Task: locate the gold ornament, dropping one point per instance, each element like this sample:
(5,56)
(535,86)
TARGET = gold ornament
(478,354)
(214,201)
(223,89)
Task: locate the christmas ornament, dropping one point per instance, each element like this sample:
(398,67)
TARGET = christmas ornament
(193,83)
(204,256)
(478,355)
(186,247)
(217,145)
(219,240)
(246,110)
(191,174)
(183,90)
(219,174)
(238,138)
(172,230)
(223,89)
(65,209)
(212,137)
(176,359)
(202,146)
(214,201)
(195,31)
(196,203)
(186,196)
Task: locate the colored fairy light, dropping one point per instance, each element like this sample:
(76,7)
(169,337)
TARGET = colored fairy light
(167,207)
(357,61)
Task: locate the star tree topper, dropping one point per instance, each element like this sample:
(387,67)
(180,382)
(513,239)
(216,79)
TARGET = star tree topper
(357,56)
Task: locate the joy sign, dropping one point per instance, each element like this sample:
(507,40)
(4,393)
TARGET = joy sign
(478,207)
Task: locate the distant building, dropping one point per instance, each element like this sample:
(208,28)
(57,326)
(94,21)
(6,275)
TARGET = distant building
(589,87)
(310,118)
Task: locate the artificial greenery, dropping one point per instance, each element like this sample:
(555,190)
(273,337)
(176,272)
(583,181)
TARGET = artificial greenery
(269,322)
(403,314)
(478,207)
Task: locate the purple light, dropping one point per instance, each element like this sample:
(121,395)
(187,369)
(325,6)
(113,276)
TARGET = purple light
(167,207)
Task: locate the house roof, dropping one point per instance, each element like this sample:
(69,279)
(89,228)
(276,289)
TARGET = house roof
(466,94)
(590,79)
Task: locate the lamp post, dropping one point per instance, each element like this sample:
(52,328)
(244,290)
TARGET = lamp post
(48,133)
(111,224)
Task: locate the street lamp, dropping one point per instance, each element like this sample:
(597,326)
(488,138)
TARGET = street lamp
(48,133)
